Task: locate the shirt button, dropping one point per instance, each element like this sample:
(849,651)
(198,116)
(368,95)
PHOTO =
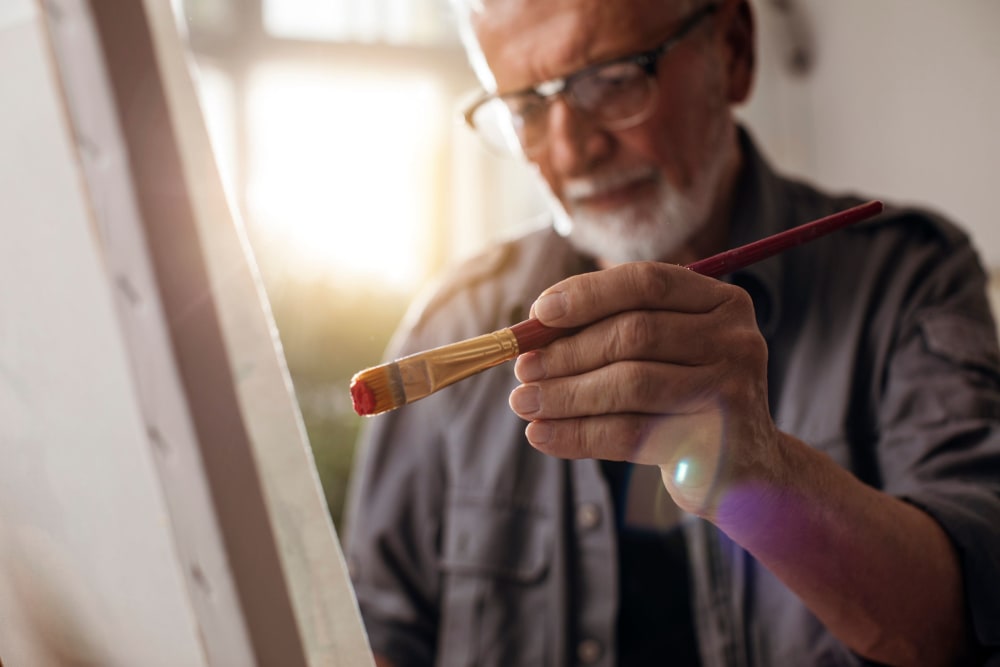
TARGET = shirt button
(588,516)
(589,651)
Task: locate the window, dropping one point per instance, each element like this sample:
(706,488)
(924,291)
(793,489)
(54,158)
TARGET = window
(335,126)
(389,21)
(325,144)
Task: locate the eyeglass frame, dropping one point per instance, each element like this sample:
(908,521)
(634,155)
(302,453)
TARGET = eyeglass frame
(648,61)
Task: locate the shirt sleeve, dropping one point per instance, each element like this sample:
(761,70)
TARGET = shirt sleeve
(940,414)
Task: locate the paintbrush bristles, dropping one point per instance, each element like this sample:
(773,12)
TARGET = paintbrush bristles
(376,390)
(405,380)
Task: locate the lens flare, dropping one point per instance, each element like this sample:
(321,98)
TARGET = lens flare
(681,473)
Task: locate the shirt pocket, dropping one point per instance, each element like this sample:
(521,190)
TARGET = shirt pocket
(496,602)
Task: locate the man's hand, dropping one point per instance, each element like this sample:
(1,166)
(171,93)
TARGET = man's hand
(669,369)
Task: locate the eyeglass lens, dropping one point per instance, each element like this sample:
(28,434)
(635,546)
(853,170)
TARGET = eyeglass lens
(615,94)
(618,94)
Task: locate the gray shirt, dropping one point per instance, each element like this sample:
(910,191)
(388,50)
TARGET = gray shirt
(469,547)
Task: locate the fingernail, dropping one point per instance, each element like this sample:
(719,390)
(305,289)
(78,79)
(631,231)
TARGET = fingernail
(525,400)
(550,307)
(538,433)
(530,367)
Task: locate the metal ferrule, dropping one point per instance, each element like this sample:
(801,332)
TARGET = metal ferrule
(426,372)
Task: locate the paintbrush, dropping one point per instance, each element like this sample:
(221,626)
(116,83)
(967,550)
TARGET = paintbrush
(389,386)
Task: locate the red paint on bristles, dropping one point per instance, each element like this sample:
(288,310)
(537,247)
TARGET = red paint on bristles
(362,397)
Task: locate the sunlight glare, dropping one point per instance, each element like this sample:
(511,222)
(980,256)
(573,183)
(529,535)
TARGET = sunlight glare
(342,170)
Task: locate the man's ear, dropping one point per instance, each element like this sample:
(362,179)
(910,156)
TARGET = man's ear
(740,48)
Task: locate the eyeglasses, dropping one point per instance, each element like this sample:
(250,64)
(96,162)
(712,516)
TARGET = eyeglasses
(619,93)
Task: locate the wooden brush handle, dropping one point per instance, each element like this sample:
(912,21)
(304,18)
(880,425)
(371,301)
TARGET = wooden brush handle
(532,334)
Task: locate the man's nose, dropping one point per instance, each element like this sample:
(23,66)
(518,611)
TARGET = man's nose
(576,141)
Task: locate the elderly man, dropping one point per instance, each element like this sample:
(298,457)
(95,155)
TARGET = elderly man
(825,425)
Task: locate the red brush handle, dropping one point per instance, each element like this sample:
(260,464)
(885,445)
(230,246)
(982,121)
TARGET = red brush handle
(751,253)
(532,334)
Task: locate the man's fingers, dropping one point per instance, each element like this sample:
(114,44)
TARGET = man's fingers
(663,336)
(692,440)
(624,387)
(611,437)
(590,297)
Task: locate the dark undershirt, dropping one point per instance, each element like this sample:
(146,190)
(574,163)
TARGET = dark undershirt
(655,623)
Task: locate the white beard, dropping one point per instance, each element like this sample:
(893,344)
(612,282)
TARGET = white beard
(653,228)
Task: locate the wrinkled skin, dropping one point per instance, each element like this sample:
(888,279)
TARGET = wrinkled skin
(671,371)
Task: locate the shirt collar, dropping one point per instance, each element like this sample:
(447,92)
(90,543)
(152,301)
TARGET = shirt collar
(760,208)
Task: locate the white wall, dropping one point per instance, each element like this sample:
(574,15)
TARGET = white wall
(903,102)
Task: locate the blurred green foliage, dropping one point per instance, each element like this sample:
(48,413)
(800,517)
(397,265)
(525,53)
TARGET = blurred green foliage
(329,332)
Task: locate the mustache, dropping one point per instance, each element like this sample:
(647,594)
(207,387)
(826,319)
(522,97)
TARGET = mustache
(581,188)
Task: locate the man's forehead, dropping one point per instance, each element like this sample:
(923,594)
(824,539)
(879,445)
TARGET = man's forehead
(487,6)
(504,12)
(571,33)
